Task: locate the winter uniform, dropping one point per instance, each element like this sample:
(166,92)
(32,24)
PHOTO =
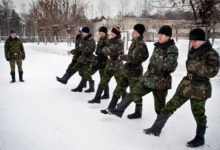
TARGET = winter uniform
(113,67)
(14,53)
(157,78)
(132,70)
(202,64)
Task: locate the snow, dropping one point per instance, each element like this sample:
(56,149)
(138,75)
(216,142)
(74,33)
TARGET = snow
(42,114)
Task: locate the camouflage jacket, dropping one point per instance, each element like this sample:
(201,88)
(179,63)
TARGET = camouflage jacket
(162,63)
(100,59)
(113,50)
(77,51)
(87,46)
(14,49)
(202,64)
(137,54)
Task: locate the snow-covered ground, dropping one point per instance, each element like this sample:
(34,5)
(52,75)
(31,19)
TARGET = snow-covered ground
(42,114)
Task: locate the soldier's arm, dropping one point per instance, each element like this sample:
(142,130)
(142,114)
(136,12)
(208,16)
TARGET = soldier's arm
(170,61)
(90,47)
(139,54)
(116,49)
(7,50)
(22,49)
(211,66)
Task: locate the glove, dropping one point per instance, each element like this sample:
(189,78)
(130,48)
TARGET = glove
(8,59)
(23,57)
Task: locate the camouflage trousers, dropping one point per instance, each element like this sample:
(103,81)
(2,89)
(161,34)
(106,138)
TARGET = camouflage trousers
(19,65)
(139,90)
(81,68)
(107,75)
(123,84)
(92,70)
(197,107)
(71,65)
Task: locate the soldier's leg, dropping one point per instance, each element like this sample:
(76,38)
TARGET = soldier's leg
(159,100)
(166,112)
(106,90)
(89,71)
(12,66)
(102,85)
(138,107)
(71,65)
(134,95)
(20,70)
(198,110)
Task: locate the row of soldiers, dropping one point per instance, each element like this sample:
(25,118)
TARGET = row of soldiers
(110,60)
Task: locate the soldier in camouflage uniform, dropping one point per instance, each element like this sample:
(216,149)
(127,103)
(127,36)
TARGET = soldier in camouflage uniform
(75,52)
(14,53)
(157,78)
(202,64)
(112,50)
(133,68)
(86,48)
(98,63)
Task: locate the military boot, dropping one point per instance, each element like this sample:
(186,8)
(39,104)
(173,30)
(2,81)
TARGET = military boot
(121,106)
(21,76)
(199,139)
(138,112)
(64,79)
(111,105)
(106,93)
(79,88)
(97,98)
(158,125)
(91,87)
(12,77)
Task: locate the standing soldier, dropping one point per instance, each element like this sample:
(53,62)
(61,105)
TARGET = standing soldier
(133,68)
(14,53)
(76,53)
(112,50)
(99,63)
(157,78)
(202,64)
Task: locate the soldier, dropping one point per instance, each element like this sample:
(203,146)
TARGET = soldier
(133,68)
(76,53)
(157,78)
(14,53)
(112,50)
(202,64)
(99,63)
(87,47)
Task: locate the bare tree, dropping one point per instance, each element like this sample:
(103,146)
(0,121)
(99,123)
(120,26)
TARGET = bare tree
(102,8)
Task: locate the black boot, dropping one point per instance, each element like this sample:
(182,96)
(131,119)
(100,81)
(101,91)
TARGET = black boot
(138,112)
(21,76)
(91,87)
(199,139)
(158,125)
(111,105)
(106,93)
(122,106)
(97,98)
(64,79)
(12,77)
(79,88)
(85,85)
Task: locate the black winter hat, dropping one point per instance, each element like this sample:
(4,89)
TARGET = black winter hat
(103,29)
(140,28)
(197,34)
(116,30)
(85,30)
(12,31)
(166,30)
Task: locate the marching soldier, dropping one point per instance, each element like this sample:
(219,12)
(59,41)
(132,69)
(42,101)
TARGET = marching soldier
(112,50)
(14,53)
(157,78)
(133,69)
(202,64)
